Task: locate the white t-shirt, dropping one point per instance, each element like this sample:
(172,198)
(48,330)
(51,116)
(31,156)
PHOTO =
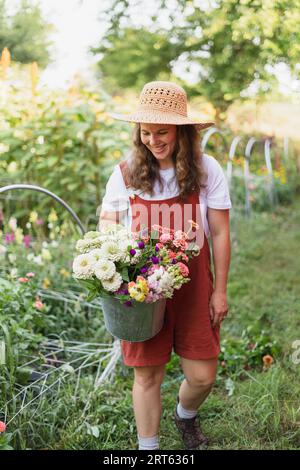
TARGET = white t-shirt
(215,195)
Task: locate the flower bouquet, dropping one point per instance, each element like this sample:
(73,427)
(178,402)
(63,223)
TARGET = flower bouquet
(133,274)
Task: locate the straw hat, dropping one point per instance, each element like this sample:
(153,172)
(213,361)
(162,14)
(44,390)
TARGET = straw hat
(162,103)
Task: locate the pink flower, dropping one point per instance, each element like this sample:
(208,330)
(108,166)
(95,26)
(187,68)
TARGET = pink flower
(30,274)
(180,243)
(153,268)
(39,304)
(39,221)
(184,270)
(183,256)
(169,231)
(152,297)
(180,235)
(165,238)
(26,241)
(145,238)
(23,279)
(172,254)
(135,235)
(2,427)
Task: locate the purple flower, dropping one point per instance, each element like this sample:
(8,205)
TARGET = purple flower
(128,303)
(132,251)
(157,248)
(154,259)
(9,237)
(26,241)
(174,261)
(143,270)
(141,245)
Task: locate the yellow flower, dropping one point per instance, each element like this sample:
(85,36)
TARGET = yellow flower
(142,284)
(19,235)
(64,272)
(34,75)
(117,154)
(139,296)
(46,283)
(139,290)
(33,217)
(46,255)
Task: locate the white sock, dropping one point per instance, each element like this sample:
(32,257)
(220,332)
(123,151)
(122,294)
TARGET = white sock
(185,414)
(148,443)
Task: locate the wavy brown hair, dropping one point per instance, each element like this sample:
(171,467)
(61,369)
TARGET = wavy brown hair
(187,158)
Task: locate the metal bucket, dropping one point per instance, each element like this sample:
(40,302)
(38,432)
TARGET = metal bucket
(137,323)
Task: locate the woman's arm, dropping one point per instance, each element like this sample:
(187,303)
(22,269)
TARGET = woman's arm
(218,220)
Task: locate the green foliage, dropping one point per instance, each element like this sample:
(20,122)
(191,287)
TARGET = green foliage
(25,33)
(247,352)
(129,50)
(63,142)
(229,42)
(250,408)
(23,321)
(5,441)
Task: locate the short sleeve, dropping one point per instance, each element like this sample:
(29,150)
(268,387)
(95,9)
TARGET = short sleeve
(217,191)
(116,197)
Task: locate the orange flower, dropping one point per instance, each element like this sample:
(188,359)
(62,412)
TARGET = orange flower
(23,279)
(267,361)
(5,58)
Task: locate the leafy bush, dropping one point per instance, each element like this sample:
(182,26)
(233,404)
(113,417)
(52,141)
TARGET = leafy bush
(255,349)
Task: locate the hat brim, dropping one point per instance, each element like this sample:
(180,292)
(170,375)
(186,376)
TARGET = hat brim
(159,117)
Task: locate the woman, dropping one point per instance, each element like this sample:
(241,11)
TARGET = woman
(167,166)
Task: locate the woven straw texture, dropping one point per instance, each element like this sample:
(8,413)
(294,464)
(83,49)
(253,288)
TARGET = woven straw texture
(162,103)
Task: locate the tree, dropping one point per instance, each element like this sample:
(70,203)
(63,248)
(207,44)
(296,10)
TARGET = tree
(25,33)
(233,44)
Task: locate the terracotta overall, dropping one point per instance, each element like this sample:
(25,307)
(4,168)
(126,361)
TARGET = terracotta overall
(187,328)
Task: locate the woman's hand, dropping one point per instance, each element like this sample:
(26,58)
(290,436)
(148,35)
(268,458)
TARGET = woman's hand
(218,307)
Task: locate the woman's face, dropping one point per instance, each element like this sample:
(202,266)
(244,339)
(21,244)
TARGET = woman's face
(160,139)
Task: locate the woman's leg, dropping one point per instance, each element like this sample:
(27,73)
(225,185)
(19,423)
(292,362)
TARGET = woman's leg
(147,399)
(199,379)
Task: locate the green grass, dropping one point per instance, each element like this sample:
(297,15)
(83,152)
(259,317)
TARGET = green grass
(263,412)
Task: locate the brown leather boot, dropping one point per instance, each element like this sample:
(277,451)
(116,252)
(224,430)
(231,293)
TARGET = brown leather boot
(190,431)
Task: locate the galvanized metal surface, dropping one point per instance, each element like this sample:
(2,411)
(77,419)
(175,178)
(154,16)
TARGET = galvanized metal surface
(137,323)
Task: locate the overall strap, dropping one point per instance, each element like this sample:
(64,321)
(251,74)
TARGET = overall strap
(124,170)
